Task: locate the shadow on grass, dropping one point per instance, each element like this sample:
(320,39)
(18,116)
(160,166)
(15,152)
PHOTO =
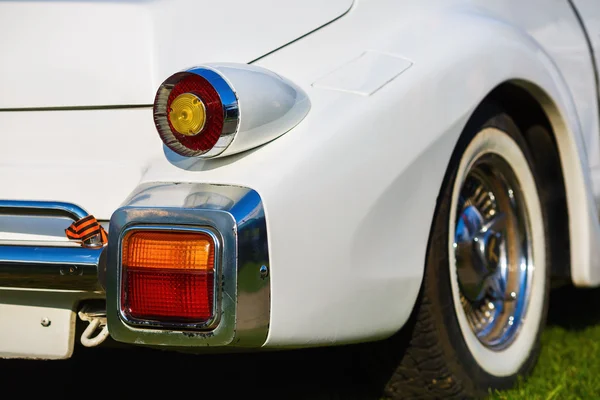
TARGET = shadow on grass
(574,309)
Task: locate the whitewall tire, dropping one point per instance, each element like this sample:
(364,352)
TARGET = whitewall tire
(514,351)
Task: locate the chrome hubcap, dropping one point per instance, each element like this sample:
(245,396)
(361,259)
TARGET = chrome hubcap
(478,252)
(492,251)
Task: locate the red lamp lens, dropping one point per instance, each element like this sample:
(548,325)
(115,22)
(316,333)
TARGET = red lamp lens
(169,296)
(168,276)
(208,137)
(167,105)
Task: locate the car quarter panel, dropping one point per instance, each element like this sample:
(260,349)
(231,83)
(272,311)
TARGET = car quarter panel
(349,193)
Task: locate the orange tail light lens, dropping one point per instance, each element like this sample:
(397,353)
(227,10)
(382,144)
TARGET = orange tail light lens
(168,276)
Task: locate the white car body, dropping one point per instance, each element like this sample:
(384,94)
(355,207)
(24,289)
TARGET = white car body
(349,193)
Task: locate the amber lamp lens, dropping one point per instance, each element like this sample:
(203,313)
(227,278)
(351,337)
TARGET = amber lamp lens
(187,114)
(168,276)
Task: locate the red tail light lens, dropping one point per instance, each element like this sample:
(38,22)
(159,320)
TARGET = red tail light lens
(168,276)
(195,112)
(207,137)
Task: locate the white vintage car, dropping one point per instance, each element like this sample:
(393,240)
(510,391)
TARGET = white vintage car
(413,173)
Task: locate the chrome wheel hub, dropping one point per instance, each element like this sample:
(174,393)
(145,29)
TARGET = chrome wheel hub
(480,244)
(492,251)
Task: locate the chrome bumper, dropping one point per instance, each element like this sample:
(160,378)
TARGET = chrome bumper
(41,265)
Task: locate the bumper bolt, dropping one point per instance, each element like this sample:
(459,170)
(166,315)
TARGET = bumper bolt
(264,272)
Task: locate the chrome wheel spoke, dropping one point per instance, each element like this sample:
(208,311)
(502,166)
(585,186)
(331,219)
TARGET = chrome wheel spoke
(496,224)
(496,287)
(463,250)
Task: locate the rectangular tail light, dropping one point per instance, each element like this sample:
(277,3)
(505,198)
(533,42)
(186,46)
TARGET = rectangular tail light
(168,277)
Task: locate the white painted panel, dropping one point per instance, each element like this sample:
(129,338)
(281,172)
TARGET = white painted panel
(92,158)
(589,10)
(97,52)
(366,74)
(22,334)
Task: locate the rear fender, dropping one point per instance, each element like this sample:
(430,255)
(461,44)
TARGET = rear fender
(350,192)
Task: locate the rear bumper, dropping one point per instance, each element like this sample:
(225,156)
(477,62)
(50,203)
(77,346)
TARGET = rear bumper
(242,290)
(43,265)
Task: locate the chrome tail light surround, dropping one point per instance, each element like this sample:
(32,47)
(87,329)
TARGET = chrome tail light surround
(237,217)
(257,106)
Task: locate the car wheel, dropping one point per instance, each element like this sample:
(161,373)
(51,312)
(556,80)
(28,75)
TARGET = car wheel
(484,298)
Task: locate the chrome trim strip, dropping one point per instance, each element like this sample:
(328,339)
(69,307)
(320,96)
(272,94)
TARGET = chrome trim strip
(42,208)
(231,109)
(145,323)
(37,265)
(254,289)
(237,214)
(76,108)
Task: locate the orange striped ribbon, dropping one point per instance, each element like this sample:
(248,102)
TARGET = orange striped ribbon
(86,228)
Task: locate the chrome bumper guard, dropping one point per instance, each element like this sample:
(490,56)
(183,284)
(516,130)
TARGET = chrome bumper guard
(47,265)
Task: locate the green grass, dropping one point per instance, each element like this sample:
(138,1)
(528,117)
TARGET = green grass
(569,364)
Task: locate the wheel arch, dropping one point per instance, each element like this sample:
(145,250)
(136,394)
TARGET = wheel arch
(561,157)
(528,112)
